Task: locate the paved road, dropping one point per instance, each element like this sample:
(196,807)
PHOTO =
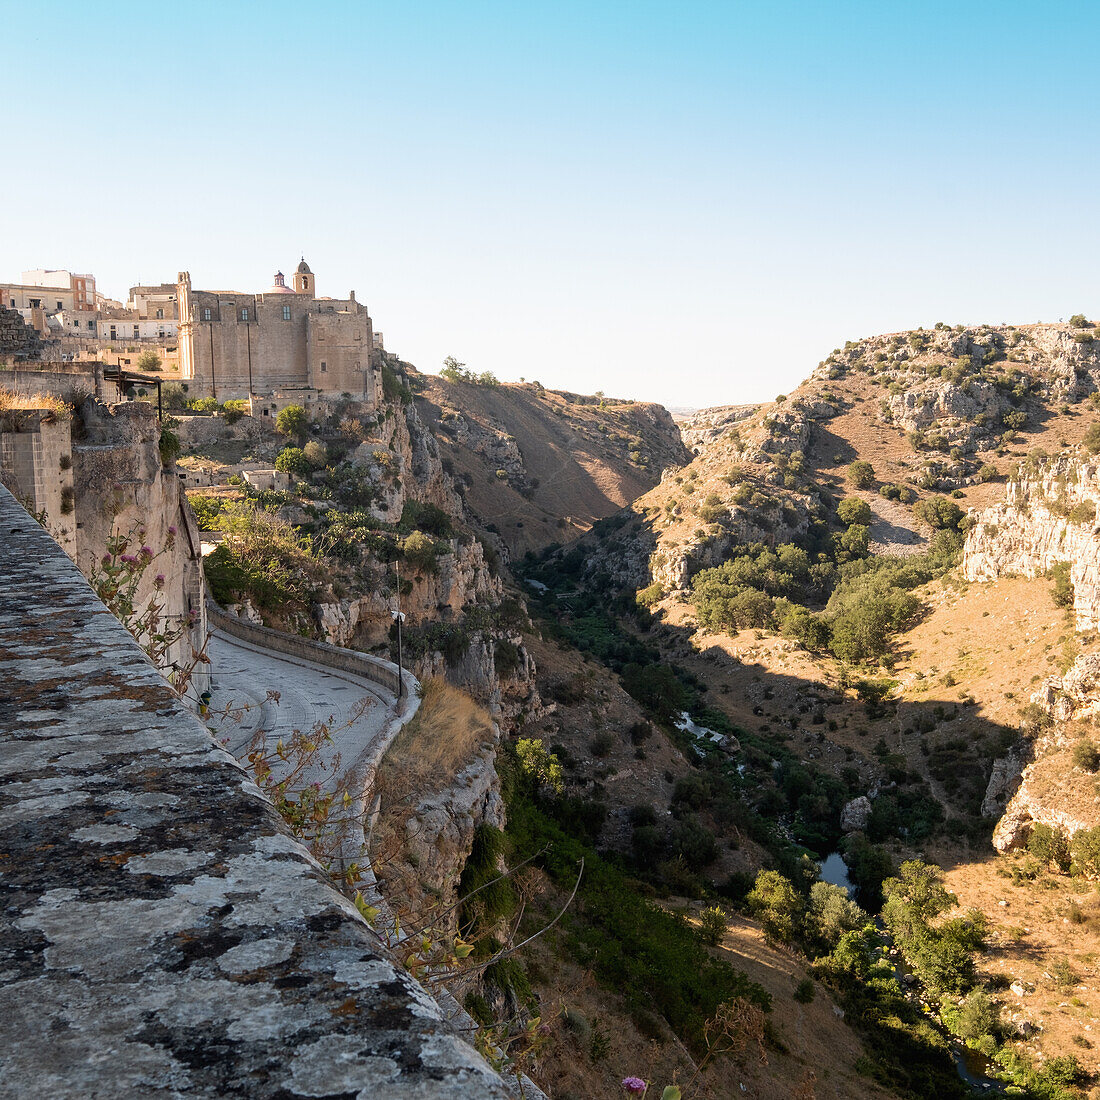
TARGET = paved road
(242,674)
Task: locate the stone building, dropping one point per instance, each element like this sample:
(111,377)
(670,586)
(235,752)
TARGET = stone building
(284,343)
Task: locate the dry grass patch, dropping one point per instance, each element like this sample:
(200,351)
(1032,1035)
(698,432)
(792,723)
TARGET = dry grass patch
(439,741)
(447,733)
(49,402)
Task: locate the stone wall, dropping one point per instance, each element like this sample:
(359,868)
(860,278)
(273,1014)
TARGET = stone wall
(99,473)
(162,934)
(18,341)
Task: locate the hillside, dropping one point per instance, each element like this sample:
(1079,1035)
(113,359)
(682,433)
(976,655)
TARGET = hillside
(801,587)
(538,466)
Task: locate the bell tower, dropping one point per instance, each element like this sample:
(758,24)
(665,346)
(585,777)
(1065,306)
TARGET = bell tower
(303,280)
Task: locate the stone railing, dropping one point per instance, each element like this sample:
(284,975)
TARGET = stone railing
(160,931)
(381,672)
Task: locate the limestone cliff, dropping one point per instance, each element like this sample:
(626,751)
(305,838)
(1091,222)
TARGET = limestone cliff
(1049,790)
(536,466)
(1048,516)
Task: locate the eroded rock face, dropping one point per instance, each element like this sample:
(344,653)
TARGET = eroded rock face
(1004,781)
(856,814)
(1066,698)
(1047,518)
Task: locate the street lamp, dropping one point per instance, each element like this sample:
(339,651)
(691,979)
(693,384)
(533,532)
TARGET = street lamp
(398,617)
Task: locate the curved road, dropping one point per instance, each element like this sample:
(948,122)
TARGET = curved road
(356,710)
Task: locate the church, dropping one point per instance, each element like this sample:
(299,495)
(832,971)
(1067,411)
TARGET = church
(283,343)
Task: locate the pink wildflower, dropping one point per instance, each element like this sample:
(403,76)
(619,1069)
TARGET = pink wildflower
(635,1085)
(171,530)
(129,559)
(159,582)
(107,560)
(146,551)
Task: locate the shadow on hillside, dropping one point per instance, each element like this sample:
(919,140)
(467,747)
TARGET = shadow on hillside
(925,763)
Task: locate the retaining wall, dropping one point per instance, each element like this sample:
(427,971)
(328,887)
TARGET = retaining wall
(345,660)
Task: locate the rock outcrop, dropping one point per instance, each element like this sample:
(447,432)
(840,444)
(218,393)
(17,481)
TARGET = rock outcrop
(1037,790)
(1049,516)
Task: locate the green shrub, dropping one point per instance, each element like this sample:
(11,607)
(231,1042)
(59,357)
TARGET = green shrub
(852,510)
(804,991)
(1078,321)
(1083,512)
(207,512)
(1063,594)
(1086,755)
(940,513)
(777,905)
(1084,850)
(421,552)
(1092,439)
(204,406)
(861,474)
(293,421)
(292,460)
(712,925)
(1049,845)
(170,446)
(650,596)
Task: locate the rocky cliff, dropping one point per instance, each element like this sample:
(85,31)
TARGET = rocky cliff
(1050,790)
(1048,517)
(537,466)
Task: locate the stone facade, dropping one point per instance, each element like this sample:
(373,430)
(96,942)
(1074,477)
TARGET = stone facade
(283,340)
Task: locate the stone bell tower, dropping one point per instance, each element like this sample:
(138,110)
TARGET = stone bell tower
(304,282)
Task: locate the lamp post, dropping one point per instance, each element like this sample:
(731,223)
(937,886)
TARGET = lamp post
(399,617)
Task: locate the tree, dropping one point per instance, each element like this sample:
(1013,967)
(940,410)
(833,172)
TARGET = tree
(853,510)
(776,904)
(454,371)
(149,361)
(833,913)
(939,513)
(293,422)
(292,460)
(861,474)
(539,765)
(1078,321)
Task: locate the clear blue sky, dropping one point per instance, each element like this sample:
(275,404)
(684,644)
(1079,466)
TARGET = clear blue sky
(691,203)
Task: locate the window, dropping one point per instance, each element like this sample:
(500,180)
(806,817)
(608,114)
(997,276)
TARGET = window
(324,367)
(206,314)
(160,314)
(135,332)
(60,305)
(91,325)
(244,313)
(286,313)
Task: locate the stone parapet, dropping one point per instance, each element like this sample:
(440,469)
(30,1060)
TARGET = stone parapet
(161,934)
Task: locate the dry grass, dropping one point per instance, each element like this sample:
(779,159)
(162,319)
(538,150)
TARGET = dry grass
(439,741)
(447,733)
(49,402)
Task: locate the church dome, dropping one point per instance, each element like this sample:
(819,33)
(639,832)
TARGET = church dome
(303,268)
(280,286)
